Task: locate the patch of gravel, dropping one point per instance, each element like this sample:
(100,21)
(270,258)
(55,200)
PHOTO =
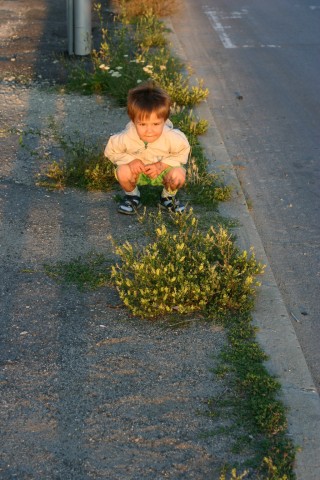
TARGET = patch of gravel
(87,391)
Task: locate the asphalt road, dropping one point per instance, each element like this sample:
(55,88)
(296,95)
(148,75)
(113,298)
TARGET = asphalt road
(260,61)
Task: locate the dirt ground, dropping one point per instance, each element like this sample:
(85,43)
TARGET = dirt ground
(87,391)
(32,36)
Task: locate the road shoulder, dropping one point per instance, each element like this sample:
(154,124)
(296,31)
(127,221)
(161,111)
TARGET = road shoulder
(276,334)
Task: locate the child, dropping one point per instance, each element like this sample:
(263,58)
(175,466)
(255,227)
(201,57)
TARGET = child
(149,151)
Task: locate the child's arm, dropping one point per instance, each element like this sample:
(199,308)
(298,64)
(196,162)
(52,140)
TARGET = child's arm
(116,151)
(179,150)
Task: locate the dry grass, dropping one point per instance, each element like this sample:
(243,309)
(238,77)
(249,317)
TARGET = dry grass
(134,8)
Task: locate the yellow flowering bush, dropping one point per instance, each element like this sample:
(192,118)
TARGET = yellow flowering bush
(184,270)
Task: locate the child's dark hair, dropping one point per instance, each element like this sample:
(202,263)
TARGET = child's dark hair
(146,99)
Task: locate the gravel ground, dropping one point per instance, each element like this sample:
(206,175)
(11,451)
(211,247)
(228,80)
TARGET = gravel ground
(87,391)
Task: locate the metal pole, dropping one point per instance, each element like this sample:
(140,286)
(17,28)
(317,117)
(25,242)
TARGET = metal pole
(82,26)
(70,27)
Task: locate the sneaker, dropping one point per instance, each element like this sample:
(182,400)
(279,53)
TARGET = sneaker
(172,204)
(129,205)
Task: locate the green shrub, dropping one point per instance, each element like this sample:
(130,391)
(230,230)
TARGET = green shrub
(184,270)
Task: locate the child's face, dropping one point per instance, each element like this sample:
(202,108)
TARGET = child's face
(150,129)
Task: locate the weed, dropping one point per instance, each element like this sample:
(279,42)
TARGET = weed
(234,475)
(149,32)
(255,405)
(87,272)
(184,119)
(81,164)
(136,8)
(184,271)
(177,86)
(203,187)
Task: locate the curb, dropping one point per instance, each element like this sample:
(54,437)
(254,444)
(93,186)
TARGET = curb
(276,334)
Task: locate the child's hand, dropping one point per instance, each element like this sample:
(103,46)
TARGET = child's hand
(137,166)
(154,169)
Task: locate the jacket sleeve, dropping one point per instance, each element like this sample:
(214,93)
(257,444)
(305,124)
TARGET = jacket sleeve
(116,150)
(179,150)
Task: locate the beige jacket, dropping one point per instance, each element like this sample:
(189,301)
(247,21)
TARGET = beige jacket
(171,148)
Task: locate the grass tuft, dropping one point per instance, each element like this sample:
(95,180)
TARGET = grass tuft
(86,272)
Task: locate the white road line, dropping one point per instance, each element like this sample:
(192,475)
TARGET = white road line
(219,28)
(213,17)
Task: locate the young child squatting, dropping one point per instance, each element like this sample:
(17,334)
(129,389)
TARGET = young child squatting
(149,151)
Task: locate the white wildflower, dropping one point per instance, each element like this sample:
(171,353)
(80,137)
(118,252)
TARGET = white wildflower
(116,74)
(104,67)
(119,68)
(137,60)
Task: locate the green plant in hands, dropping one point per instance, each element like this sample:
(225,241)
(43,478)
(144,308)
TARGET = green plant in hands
(184,270)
